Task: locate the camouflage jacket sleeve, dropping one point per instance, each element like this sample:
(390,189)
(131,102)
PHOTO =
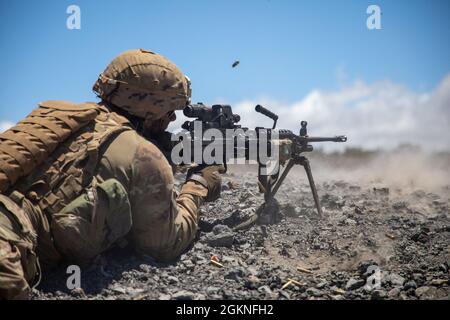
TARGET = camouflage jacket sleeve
(164,224)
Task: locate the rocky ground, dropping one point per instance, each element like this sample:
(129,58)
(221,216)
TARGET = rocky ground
(377,240)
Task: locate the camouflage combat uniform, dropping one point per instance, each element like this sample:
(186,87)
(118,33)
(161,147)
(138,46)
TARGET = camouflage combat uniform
(79,203)
(133,197)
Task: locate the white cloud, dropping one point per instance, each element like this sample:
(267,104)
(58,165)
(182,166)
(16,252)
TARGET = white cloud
(5,125)
(379,115)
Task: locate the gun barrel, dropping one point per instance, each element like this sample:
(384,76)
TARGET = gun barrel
(327,139)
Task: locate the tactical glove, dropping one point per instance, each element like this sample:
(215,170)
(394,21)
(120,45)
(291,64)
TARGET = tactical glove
(209,177)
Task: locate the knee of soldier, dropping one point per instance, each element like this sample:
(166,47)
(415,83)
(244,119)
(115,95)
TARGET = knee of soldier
(92,222)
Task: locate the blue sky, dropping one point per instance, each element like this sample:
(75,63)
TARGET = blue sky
(285,48)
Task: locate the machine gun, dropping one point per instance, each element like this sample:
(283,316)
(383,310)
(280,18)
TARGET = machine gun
(221,117)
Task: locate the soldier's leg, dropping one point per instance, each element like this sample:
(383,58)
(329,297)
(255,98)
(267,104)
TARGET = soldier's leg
(13,284)
(94,221)
(18,262)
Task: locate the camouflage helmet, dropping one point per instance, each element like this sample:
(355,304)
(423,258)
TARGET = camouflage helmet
(144,84)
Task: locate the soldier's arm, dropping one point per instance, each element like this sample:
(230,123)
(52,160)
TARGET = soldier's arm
(164,224)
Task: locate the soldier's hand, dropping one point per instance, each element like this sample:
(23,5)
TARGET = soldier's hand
(209,177)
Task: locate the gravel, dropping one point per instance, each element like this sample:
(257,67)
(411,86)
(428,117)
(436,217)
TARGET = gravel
(220,236)
(353,284)
(404,235)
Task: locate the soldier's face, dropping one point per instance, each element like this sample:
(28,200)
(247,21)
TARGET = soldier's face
(159,125)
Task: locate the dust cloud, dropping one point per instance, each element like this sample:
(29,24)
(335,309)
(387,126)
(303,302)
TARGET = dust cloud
(402,170)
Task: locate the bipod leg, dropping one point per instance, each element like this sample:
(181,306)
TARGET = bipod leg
(286,170)
(305,163)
